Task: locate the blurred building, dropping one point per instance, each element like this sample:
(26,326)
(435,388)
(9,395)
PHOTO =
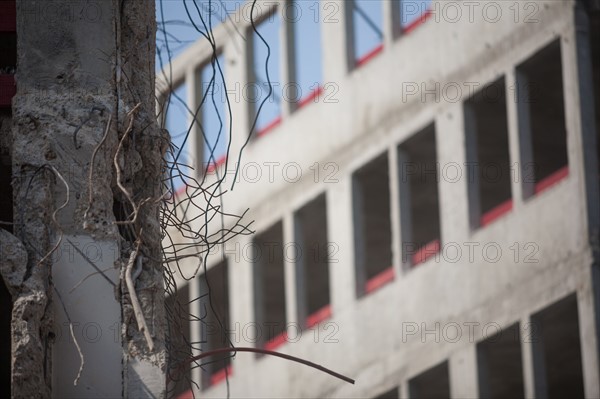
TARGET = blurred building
(424,185)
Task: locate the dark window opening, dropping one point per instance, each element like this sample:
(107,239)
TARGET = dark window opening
(8,55)
(214,315)
(372,225)
(419,210)
(542,123)
(265,92)
(367,29)
(312,268)
(269,287)
(557,363)
(433,383)
(499,365)
(393,393)
(489,174)
(214,127)
(179,347)
(305,59)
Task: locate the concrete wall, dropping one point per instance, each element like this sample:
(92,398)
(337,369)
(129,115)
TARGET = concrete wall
(386,338)
(74,333)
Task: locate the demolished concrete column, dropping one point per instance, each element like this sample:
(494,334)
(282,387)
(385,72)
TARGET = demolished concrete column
(87,166)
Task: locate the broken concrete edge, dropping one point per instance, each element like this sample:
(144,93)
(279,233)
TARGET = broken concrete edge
(45,140)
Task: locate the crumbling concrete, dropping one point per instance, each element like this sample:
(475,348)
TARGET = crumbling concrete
(147,147)
(82,68)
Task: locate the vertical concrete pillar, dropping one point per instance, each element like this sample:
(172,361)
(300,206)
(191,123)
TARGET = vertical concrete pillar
(290,264)
(196,310)
(587,337)
(583,163)
(341,268)
(463,373)
(588,106)
(286,57)
(454,204)
(527,338)
(241,302)
(391,22)
(75,102)
(336,38)
(61,111)
(237,72)
(395,210)
(514,141)
(195,143)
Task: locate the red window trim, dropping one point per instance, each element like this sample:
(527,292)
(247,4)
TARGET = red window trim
(379,280)
(551,180)
(417,22)
(319,316)
(426,252)
(369,56)
(495,213)
(311,96)
(276,342)
(269,128)
(406,30)
(219,375)
(214,165)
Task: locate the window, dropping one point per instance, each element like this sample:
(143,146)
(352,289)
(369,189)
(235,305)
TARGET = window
(178,339)
(433,383)
(214,129)
(413,13)
(312,268)
(372,225)
(178,124)
(557,351)
(269,287)
(499,365)
(178,34)
(305,59)
(419,202)
(214,319)
(266,57)
(542,123)
(367,29)
(489,174)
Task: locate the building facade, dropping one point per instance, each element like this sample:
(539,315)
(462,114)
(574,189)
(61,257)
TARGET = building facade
(424,185)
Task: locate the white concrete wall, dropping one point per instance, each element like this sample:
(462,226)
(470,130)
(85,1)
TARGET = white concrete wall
(371,115)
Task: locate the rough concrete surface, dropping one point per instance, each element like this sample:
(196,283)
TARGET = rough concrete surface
(76,72)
